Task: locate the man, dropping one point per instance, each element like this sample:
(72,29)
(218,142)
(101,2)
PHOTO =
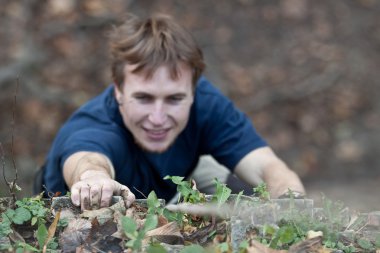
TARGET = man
(157,119)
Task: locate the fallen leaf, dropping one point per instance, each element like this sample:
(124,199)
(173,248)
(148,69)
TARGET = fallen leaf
(51,231)
(74,234)
(168,233)
(257,247)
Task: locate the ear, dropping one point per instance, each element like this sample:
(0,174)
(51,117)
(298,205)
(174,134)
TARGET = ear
(118,94)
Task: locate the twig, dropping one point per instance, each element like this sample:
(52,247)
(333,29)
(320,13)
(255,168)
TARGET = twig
(12,185)
(140,192)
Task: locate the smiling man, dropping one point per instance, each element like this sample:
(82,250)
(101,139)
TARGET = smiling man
(158,118)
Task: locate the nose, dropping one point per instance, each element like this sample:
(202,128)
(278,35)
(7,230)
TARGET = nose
(158,115)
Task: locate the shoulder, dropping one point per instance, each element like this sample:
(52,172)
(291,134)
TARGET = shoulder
(206,88)
(208,97)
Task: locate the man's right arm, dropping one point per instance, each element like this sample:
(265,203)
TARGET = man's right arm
(90,177)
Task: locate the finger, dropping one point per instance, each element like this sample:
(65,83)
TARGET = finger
(95,196)
(85,197)
(75,194)
(127,196)
(107,193)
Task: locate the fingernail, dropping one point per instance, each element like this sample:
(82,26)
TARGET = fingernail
(128,203)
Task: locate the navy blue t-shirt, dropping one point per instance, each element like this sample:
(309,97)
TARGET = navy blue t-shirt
(215,127)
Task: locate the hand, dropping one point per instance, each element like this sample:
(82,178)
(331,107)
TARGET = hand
(95,190)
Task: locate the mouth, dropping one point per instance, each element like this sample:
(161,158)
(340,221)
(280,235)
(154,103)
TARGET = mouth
(156,134)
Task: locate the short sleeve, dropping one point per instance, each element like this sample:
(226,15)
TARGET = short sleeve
(93,140)
(227,133)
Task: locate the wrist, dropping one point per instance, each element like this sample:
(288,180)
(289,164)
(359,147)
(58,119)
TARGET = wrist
(93,173)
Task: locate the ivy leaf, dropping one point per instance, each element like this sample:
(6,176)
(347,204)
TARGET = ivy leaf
(21,215)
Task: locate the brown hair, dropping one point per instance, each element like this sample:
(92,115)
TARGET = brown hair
(151,43)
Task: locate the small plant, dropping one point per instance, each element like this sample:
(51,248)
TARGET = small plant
(135,234)
(261,192)
(32,212)
(186,190)
(222,193)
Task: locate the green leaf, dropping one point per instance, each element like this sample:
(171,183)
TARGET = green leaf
(287,234)
(222,192)
(223,247)
(24,247)
(154,205)
(156,248)
(244,244)
(63,222)
(21,215)
(268,230)
(130,243)
(175,179)
(151,222)
(41,234)
(10,213)
(365,244)
(34,220)
(377,241)
(5,225)
(195,248)
(129,226)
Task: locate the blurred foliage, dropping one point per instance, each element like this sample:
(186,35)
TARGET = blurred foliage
(305,71)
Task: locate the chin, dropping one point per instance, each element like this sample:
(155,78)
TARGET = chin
(152,148)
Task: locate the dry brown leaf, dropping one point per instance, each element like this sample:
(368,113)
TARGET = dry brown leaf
(313,245)
(74,234)
(168,233)
(51,231)
(257,247)
(16,237)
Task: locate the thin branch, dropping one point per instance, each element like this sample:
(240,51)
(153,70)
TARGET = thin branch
(13,129)
(12,185)
(3,162)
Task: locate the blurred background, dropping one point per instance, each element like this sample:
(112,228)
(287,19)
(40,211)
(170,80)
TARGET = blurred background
(306,73)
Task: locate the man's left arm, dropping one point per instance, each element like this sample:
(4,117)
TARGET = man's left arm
(262,165)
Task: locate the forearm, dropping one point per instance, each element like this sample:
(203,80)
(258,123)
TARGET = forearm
(280,179)
(83,164)
(262,165)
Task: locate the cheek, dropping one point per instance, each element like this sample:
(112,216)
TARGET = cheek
(180,113)
(132,111)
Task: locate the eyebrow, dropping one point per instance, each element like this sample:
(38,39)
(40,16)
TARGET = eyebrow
(139,93)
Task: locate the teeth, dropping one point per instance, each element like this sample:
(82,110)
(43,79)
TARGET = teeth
(157,132)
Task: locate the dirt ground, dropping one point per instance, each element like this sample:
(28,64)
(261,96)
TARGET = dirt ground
(305,72)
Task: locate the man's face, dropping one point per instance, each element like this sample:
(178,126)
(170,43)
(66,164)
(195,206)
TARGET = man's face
(155,109)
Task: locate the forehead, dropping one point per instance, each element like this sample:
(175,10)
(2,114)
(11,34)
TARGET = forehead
(160,80)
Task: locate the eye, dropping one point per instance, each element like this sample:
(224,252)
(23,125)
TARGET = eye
(175,99)
(143,98)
